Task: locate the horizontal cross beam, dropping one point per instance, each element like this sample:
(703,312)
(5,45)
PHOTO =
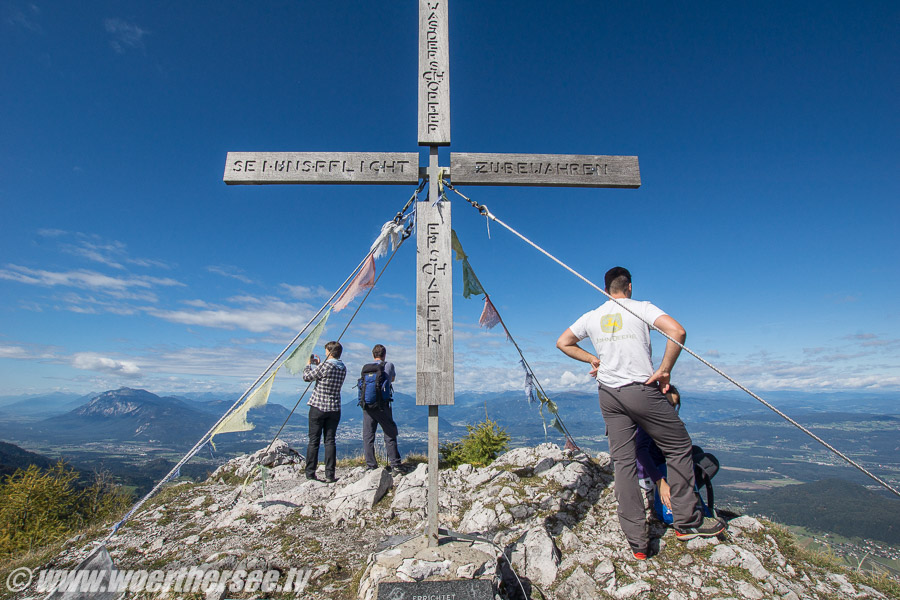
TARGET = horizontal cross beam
(258,168)
(556,170)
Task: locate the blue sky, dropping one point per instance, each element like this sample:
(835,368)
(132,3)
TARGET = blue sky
(767,135)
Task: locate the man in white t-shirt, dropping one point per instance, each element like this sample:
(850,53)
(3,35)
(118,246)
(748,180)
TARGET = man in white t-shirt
(631,394)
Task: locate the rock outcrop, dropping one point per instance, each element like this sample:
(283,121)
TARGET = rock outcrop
(537,519)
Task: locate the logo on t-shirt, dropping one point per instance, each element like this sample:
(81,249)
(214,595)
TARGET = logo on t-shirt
(611,323)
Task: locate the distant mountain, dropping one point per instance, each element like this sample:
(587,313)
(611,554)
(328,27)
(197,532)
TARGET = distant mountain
(834,505)
(407,415)
(12,457)
(138,416)
(128,415)
(44,405)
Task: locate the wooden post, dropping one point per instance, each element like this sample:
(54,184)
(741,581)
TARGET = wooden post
(434,323)
(434,74)
(434,280)
(433,506)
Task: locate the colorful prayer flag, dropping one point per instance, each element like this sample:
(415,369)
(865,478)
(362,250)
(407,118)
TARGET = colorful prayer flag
(364,279)
(299,357)
(489,316)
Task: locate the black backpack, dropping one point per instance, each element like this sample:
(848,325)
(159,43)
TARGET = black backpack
(372,385)
(705,468)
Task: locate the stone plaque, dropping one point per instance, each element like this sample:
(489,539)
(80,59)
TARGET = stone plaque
(434,305)
(255,168)
(434,74)
(557,170)
(455,589)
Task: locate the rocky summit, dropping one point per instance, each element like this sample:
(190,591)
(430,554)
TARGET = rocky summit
(538,523)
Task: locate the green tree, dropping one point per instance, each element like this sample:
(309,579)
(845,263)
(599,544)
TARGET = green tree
(480,446)
(38,507)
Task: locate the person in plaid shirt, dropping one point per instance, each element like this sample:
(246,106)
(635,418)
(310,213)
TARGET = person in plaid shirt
(324,408)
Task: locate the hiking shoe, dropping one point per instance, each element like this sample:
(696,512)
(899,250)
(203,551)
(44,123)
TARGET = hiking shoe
(640,555)
(709,527)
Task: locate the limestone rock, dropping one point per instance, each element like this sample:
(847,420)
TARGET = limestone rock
(536,555)
(578,585)
(479,519)
(363,494)
(749,591)
(746,523)
(632,590)
(412,491)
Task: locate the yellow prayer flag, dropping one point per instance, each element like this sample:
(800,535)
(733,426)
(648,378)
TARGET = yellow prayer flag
(299,357)
(237,420)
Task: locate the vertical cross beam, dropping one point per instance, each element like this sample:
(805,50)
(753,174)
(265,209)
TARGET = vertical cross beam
(434,323)
(434,274)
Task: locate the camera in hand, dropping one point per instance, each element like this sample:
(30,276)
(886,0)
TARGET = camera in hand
(313,359)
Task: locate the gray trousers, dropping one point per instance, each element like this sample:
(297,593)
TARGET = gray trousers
(638,404)
(372,418)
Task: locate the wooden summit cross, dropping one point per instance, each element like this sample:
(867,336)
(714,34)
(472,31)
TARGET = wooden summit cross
(434,282)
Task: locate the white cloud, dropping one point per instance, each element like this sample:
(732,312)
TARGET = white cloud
(569,380)
(215,361)
(88,361)
(83,279)
(304,292)
(231,272)
(257,315)
(102,253)
(111,253)
(398,299)
(14,352)
(124,35)
(51,232)
(24,18)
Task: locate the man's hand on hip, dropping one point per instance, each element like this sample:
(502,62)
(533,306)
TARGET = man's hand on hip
(660,378)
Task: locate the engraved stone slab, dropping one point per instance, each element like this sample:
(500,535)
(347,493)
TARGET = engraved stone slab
(454,589)
(434,305)
(257,168)
(434,74)
(557,170)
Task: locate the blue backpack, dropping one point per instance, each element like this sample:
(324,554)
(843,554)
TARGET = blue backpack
(373,386)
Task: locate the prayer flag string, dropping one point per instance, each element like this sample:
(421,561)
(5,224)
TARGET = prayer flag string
(490,317)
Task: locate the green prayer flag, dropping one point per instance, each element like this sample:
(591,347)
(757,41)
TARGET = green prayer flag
(457,247)
(300,356)
(471,285)
(555,424)
(551,405)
